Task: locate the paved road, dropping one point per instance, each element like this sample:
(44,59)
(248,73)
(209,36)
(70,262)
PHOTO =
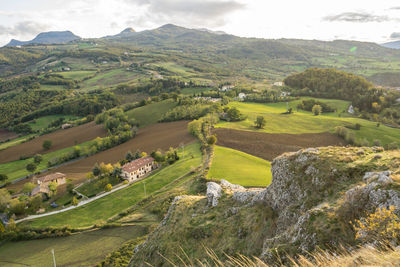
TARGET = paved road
(83,202)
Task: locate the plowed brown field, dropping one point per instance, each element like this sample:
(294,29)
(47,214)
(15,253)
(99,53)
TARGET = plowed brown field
(5,135)
(268,146)
(160,135)
(60,139)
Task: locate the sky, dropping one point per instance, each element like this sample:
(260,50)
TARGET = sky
(363,20)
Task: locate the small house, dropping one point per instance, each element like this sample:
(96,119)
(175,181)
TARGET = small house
(66,126)
(242,96)
(226,88)
(43,183)
(138,168)
(280,84)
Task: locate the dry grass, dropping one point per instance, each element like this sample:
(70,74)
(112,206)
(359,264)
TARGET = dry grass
(364,256)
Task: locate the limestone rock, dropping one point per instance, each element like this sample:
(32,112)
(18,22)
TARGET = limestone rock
(213,193)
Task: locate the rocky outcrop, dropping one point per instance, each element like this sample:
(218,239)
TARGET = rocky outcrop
(314,195)
(213,193)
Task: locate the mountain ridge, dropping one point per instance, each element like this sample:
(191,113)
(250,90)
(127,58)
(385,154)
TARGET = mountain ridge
(51,37)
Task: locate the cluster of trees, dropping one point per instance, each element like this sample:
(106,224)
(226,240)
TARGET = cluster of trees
(26,106)
(267,96)
(185,112)
(153,87)
(310,103)
(115,121)
(169,156)
(328,83)
(22,205)
(372,103)
(103,177)
(232,114)
(201,128)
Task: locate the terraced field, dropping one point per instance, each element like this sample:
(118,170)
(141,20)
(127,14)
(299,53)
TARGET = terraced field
(61,139)
(305,122)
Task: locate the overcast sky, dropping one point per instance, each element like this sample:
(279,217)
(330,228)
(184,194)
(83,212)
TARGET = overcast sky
(364,20)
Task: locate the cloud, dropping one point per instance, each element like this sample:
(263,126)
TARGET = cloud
(359,17)
(395,8)
(23,28)
(395,35)
(197,13)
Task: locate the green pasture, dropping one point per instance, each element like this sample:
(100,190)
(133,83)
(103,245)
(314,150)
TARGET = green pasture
(84,249)
(150,114)
(43,122)
(239,168)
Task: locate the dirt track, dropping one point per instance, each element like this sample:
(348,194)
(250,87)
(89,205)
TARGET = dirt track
(61,139)
(5,135)
(160,135)
(268,146)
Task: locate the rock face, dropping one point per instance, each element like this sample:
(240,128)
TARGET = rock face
(314,195)
(213,193)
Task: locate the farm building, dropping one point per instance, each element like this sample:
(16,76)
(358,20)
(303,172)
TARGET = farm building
(138,168)
(226,88)
(278,83)
(242,96)
(66,126)
(43,183)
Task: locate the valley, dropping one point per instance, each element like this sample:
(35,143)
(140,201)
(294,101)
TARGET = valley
(173,145)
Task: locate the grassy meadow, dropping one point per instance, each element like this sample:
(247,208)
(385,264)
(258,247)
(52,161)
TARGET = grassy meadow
(305,122)
(100,210)
(84,249)
(150,114)
(76,75)
(239,168)
(43,122)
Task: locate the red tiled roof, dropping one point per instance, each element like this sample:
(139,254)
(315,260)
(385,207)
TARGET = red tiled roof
(51,177)
(137,164)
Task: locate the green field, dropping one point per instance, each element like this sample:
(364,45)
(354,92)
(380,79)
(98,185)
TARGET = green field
(150,114)
(108,78)
(239,168)
(43,122)
(305,122)
(192,90)
(17,169)
(85,249)
(100,210)
(76,75)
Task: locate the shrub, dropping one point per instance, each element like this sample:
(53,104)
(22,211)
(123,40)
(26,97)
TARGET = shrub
(377,142)
(37,158)
(364,142)
(316,109)
(392,146)
(212,140)
(47,144)
(108,187)
(260,122)
(75,201)
(3,177)
(350,138)
(382,225)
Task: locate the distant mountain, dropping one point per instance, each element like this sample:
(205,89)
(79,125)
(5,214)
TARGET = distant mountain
(125,33)
(394,45)
(54,37)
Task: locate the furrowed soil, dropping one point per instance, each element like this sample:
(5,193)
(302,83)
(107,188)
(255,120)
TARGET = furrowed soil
(157,136)
(60,139)
(5,135)
(268,146)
